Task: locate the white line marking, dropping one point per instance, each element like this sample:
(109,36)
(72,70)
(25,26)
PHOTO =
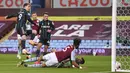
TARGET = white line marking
(7,64)
(101,72)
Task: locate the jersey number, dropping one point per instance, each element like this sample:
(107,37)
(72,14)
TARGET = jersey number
(64,50)
(20,16)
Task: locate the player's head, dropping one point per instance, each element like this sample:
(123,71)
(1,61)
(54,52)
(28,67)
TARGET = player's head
(27,6)
(45,16)
(34,15)
(76,42)
(80,61)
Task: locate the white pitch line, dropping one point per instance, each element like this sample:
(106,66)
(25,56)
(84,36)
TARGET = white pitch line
(7,64)
(101,72)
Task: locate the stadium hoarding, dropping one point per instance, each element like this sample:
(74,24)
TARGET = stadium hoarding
(5,27)
(82,51)
(88,3)
(82,29)
(86,18)
(81,3)
(123,3)
(12,3)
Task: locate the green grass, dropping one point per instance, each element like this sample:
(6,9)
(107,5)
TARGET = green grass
(94,64)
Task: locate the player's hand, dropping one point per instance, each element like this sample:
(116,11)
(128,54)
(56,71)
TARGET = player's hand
(80,67)
(73,66)
(49,31)
(5,17)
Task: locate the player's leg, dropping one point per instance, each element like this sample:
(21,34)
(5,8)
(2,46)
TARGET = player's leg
(19,38)
(33,65)
(50,60)
(24,37)
(28,33)
(19,46)
(23,34)
(46,46)
(23,41)
(34,33)
(31,59)
(39,45)
(28,60)
(38,59)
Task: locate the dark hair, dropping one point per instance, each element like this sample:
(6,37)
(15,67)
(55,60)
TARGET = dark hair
(76,42)
(26,4)
(45,13)
(83,61)
(80,61)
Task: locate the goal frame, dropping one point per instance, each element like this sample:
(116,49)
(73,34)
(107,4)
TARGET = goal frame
(114,23)
(113,49)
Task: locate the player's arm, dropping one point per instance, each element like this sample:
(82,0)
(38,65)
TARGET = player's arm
(11,15)
(52,26)
(73,60)
(39,31)
(62,64)
(30,20)
(67,60)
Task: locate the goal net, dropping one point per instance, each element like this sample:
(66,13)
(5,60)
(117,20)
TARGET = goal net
(121,36)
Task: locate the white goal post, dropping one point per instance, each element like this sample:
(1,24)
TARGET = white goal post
(120,51)
(113,50)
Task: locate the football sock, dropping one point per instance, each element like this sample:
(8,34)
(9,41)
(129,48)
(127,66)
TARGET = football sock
(35,65)
(37,53)
(23,44)
(19,50)
(31,59)
(32,36)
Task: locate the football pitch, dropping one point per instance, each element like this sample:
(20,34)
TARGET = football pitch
(93,64)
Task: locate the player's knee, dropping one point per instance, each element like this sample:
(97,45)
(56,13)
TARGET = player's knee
(24,37)
(31,42)
(39,46)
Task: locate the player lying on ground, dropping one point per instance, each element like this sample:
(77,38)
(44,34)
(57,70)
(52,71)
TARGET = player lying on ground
(56,57)
(64,64)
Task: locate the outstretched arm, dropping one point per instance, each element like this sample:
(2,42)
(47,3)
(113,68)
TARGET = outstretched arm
(30,20)
(73,60)
(11,15)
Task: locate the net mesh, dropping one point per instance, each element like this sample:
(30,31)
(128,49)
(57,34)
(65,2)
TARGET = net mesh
(123,34)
